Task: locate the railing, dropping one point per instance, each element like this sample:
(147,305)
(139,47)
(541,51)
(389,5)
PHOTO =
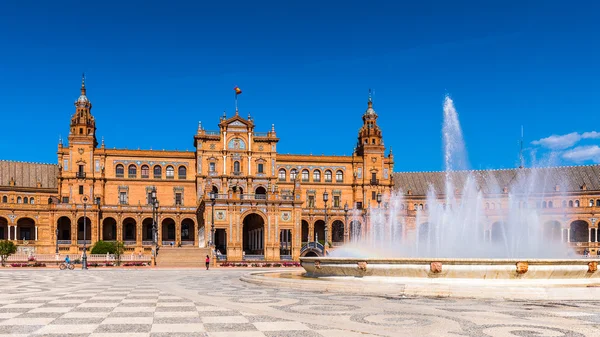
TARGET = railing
(337,244)
(374,181)
(64,242)
(129,243)
(87,242)
(312,245)
(221,257)
(147,243)
(254,257)
(261,134)
(285,257)
(237,173)
(253,197)
(80,175)
(168,243)
(212,133)
(23,257)
(187,243)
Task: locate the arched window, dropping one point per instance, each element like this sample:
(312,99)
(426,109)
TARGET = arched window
(293,174)
(260,168)
(19,200)
(339,176)
(170,172)
(157,172)
(236,167)
(597,202)
(570,203)
(145,171)
(544,204)
(5,199)
(564,204)
(576,203)
(304,175)
(317,175)
(328,176)
(591,202)
(181,172)
(401,207)
(550,204)
(120,171)
(281,175)
(132,171)
(25,200)
(31,201)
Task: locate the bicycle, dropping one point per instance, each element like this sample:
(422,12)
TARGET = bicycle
(64,266)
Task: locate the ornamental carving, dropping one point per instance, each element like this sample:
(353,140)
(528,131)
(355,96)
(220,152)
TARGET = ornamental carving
(522,267)
(286,216)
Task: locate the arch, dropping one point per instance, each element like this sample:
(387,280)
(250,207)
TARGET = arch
(129,229)
(63,225)
(236,167)
(145,171)
(498,233)
(31,200)
(187,230)
(319,231)
(305,175)
(215,189)
(579,231)
(570,203)
(337,232)
(339,176)
(19,200)
(25,200)
(317,175)
(328,176)
(168,230)
(544,204)
(311,252)
(120,171)
(147,230)
(597,202)
(132,171)
(591,203)
(157,172)
(355,230)
(170,172)
(109,229)
(181,172)
(552,231)
(260,193)
(550,205)
(293,174)
(3,228)
(253,228)
(5,199)
(577,203)
(281,175)
(88,229)
(305,237)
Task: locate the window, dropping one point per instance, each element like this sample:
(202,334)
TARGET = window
(591,202)
(374,176)
(181,172)
(31,200)
(282,175)
(120,171)
(5,199)
(373,195)
(317,175)
(339,176)
(80,171)
(145,171)
(177,198)
(25,200)
(576,203)
(261,168)
(170,172)
(597,202)
(304,175)
(149,198)
(123,198)
(19,200)
(564,204)
(98,201)
(132,171)
(157,172)
(211,167)
(549,204)
(359,205)
(236,167)
(328,176)
(293,174)
(544,204)
(336,201)
(311,201)
(570,203)
(80,189)
(65,200)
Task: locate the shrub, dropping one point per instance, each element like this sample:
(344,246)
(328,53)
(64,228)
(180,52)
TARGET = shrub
(6,249)
(103,247)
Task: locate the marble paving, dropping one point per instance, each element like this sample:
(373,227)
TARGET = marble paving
(196,302)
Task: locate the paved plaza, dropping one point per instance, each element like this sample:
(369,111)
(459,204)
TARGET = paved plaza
(196,302)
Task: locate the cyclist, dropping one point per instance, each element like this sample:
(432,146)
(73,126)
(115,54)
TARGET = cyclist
(67,260)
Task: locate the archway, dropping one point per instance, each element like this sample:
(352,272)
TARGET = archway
(253,237)
(147,234)
(498,233)
(3,229)
(221,240)
(88,229)
(64,229)
(319,232)
(305,237)
(552,231)
(337,232)
(187,230)
(168,231)
(260,193)
(355,230)
(26,229)
(109,229)
(129,232)
(311,253)
(579,231)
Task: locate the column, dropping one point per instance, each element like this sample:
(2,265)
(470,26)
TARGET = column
(9,229)
(562,235)
(262,239)
(568,235)
(590,234)
(36,232)
(489,235)
(178,232)
(16,237)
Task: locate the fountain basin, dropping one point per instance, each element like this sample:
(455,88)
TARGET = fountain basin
(447,268)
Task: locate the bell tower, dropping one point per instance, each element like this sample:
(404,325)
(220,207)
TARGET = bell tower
(370,138)
(83,125)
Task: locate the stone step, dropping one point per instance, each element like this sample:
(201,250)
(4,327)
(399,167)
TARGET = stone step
(182,256)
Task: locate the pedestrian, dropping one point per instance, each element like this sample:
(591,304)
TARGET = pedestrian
(207,261)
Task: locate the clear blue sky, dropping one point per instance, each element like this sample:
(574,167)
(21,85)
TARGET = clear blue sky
(155,68)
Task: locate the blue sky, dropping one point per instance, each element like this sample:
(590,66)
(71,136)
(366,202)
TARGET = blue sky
(154,69)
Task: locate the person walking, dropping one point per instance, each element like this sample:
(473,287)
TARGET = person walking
(207,262)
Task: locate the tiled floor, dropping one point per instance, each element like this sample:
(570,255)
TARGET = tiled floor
(216,303)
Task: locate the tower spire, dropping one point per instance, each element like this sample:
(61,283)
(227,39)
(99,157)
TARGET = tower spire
(83,83)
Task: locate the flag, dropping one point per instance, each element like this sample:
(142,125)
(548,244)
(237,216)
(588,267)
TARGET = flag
(237,90)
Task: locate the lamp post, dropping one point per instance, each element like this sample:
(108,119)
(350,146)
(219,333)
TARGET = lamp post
(56,232)
(325,198)
(213,197)
(378,199)
(84,257)
(347,231)
(154,222)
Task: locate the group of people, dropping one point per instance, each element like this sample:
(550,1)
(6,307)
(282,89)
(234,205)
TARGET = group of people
(587,253)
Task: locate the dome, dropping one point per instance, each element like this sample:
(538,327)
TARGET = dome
(82,99)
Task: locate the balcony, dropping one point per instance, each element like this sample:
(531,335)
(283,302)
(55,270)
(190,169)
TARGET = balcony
(261,134)
(64,242)
(374,181)
(80,175)
(236,173)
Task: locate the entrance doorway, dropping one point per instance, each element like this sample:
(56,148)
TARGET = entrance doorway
(253,238)
(221,240)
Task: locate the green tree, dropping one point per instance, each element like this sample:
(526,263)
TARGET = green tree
(6,248)
(119,250)
(103,247)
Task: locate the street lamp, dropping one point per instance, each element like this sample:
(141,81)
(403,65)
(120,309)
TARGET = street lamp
(154,202)
(347,231)
(378,199)
(325,198)
(56,239)
(213,197)
(84,257)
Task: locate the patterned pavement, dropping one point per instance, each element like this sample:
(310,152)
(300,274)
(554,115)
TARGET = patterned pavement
(163,302)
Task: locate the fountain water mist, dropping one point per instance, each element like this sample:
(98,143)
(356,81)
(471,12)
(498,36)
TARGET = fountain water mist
(458,221)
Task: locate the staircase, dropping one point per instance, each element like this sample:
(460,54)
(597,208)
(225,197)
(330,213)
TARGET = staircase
(182,256)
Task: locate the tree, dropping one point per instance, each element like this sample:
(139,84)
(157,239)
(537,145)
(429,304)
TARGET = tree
(103,247)
(6,248)
(119,249)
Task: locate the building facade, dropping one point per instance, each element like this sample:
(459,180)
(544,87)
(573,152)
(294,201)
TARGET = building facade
(236,191)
